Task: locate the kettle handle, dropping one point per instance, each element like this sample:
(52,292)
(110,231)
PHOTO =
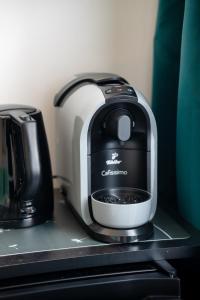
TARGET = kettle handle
(31,154)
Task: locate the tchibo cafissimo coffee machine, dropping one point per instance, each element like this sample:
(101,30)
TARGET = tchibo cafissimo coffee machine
(106,141)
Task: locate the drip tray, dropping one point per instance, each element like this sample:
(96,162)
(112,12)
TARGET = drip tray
(167,228)
(65,232)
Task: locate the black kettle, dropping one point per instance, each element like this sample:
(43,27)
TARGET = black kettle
(26,190)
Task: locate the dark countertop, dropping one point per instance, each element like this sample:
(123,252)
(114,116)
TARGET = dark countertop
(62,244)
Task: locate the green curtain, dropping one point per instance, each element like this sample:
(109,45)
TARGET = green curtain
(176,104)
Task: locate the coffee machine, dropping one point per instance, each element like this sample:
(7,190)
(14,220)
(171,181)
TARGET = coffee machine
(106,143)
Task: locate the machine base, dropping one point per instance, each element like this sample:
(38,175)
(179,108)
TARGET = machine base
(111,235)
(23,223)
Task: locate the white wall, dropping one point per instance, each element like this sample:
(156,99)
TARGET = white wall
(135,26)
(43,42)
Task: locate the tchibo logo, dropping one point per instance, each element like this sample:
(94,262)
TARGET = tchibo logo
(114,161)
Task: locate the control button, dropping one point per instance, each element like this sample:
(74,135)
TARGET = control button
(119,90)
(108,91)
(130,90)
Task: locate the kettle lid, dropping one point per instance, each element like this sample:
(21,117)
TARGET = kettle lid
(5,109)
